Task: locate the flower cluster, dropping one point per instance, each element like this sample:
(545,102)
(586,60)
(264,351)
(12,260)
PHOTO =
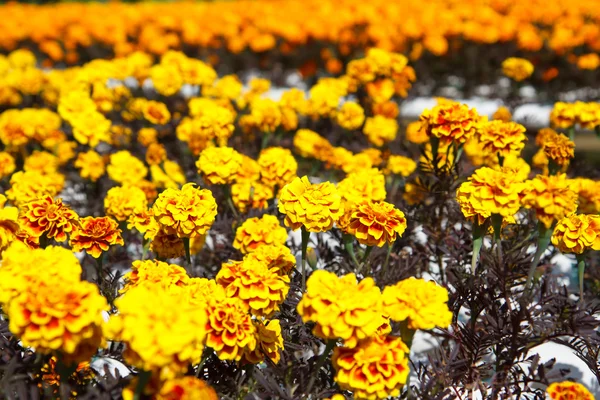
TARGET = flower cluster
(577,233)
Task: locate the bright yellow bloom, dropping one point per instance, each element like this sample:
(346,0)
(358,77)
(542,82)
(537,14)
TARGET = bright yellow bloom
(451,122)
(363,186)
(41,161)
(265,115)
(186,388)
(559,148)
(256,232)
(381,90)
(269,342)
(156,112)
(416,133)
(577,233)
(315,206)
(588,114)
(551,197)
(167,79)
(90,165)
(277,166)
(167,245)
(96,235)
(400,165)
(202,290)
(91,128)
(219,165)
(48,217)
(588,192)
(249,170)
(563,115)
(502,114)
(123,201)
(146,136)
(188,212)
(375,223)
(517,68)
(29,186)
(380,130)
(9,223)
(254,283)
(308,143)
(341,308)
(278,258)
(350,116)
(504,138)
(250,195)
(568,391)
(375,369)
(155,275)
(156,154)
(126,169)
(422,302)
(7,164)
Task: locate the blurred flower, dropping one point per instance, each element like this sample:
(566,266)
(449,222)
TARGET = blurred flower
(91,165)
(588,192)
(96,235)
(32,185)
(380,130)
(124,168)
(350,116)
(502,114)
(559,149)
(568,391)
(577,233)
(590,61)
(517,68)
(256,232)
(9,223)
(156,154)
(186,388)
(400,165)
(416,133)
(156,112)
(277,166)
(123,201)
(563,115)
(551,197)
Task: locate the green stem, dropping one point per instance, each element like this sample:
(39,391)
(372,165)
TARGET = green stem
(229,200)
(435,145)
(366,257)
(265,140)
(143,378)
(387,258)
(500,160)
(571,132)
(580,273)
(349,246)
(145,247)
(553,168)
(406,333)
(544,235)
(186,246)
(328,347)
(305,237)
(100,266)
(478,234)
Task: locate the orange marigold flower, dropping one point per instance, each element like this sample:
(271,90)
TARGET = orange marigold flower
(577,233)
(350,116)
(450,122)
(504,138)
(590,61)
(341,307)
(90,165)
(48,217)
(423,303)
(230,330)
(400,165)
(517,68)
(375,369)
(123,201)
(254,283)
(551,197)
(277,257)
(219,165)
(269,342)
(559,148)
(568,391)
(388,109)
(155,274)
(502,114)
(277,166)
(186,388)
(315,206)
(187,212)
(256,232)
(375,223)
(416,133)
(563,115)
(96,235)
(156,112)
(155,154)
(380,130)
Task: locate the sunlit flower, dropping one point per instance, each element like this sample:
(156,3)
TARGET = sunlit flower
(256,232)
(269,342)
(350,116)
(156,154)
(167,245)
(7,164)
(48,217)
(517,68)
(400,165)
(277,166)
(502,114)
(157,275)
(559,148)
(577,233)
(277,257)
(126,169)
(91,165)
(29,186)
(503,138)
(563,115)
(588,192)
(380,130)
(308,143)
(123,201)
(452,122)
(219,165)
(551,197)
(375,223)
(416,133)
(250,195)
(362,186)
(96,235)
(156,112)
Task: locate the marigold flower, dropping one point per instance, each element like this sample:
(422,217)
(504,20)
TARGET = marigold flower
(96,235)
(277,166)
(563,115)
(577,233)
(48,217)
(502,114)
(315,206)
(423,303)
(588,192)
(90,165)
(146,136)
(559,148)
(9,223)
(400,165)
(375,369)
(123,201)
(250,195)
(201,290)
(278,257)
(156,154)
(269,342)
(551,197)
(41,161)
(7,164)
(380,130)
(219,165)
(186,388)
(265,115)
(380,90)
(350,116)
(256,232)
(363,186)
(157,338)
(126,169)
(249,170)
(504,138)
(451,122)
(230,330)
(157,275)
(91,128)
(156,112)
(167,245)
(255,283)
(490,191)
(588,114)
(341,307)
(308,143)
(187,212)
(517,68)
(167,79)
(375,223)
(568,391)
(29,186)
(416,133)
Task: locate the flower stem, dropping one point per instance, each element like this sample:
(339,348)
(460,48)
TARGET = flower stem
(580,273)
(478,234)
(544,235)
(366,257)
(406,334)
(328,347)
(100,266)
(349,246)
(186,246)
(387,258)
(305,237)
(143,378)
(500,160)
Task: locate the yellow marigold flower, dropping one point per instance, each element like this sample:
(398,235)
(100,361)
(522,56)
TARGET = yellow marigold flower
(167,79)
(155,274)
(400,165)
(156,112)
(278,257)
(504,138)
(123,201)
(416,133)
(490,191)
(29,186)
(294,99)
(48,217)
(568,391)
(156,154)
(517,164)
(315,206)
(7,164)
(543,134)
(187,212)
(350,116)
(230,330)
(502,114)
(202,290)
(277,166)
(90,165)
(228,87)
(254,283)
(149,189)
(375,369)
(588,192)
(22,59)
(167,245)
(146,136)
(423,303)
(563,115)
(41,161)
(269,342)
(96,235)
(590,61)
(375,223)
(362,69)
(380,130)
(323,101)
(126,169)
(186,388)
(517,68)
(381,90)
(9,223)
(551,197)
(219,165)
(451,122)
(144,222)
(388,109)
(559,148)
(336,396)
(256,232)
(308,143)
(265,114)
(250,195)
(577,233)
(588,114)
(363,186)
(91,128)
(374,155)
(249,170)
(341,307)
(157,338)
